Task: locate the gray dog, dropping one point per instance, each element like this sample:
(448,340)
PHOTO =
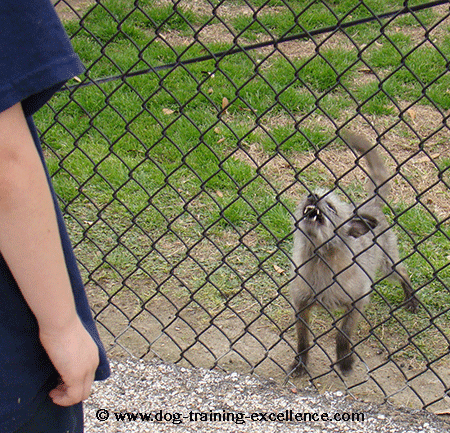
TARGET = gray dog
(338,249)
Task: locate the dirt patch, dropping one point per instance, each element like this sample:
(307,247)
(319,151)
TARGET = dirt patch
(203,339)
(415,166)
(72,9)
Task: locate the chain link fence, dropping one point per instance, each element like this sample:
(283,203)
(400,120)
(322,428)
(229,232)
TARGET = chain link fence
(181,154)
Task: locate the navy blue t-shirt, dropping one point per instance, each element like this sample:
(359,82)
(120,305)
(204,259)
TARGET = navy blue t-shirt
(36,59)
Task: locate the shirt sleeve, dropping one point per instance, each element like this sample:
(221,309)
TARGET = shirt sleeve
(36,56)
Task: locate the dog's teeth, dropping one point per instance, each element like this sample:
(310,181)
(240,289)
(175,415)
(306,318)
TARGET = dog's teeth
(308,209)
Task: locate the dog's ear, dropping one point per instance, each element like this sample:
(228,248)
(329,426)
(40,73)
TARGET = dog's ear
(361,224)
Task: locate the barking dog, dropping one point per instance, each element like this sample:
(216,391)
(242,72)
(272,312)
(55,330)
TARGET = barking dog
(338,249)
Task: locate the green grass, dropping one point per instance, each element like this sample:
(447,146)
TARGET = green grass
(303,16)
(426,243)
(154,164)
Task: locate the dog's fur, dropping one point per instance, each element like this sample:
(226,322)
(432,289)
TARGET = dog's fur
(338,249)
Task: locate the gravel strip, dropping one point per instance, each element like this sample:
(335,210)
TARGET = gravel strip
(193,400)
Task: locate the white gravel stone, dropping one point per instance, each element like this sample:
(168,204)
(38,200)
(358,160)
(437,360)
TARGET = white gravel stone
(177,399)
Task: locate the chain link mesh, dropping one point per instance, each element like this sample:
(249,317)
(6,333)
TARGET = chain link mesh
(180,155)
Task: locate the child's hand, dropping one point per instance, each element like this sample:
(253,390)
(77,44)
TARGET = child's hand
(74,354)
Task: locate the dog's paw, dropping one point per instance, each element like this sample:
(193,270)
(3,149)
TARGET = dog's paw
(346,364)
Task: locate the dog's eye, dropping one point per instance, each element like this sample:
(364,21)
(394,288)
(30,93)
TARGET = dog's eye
(332,208)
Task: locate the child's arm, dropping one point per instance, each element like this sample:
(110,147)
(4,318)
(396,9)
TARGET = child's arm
(31,246)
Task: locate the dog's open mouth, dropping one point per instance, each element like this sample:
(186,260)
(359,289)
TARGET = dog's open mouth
(313,214)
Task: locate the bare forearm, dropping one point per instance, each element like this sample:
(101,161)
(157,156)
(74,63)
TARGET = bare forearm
(31,245)
(29,235)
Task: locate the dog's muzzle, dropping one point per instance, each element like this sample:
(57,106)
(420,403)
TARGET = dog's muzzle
(313,214)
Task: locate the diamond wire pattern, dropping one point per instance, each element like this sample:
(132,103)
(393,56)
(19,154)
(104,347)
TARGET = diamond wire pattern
(155,291)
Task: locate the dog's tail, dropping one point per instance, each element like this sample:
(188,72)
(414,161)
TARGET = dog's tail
(378,175)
